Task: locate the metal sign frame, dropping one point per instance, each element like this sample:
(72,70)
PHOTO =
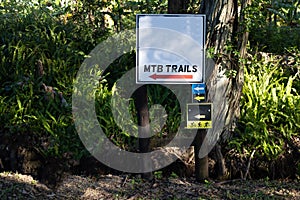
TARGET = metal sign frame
(170,31)
(198,120)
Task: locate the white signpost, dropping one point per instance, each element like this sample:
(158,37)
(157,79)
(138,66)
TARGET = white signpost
(170,49)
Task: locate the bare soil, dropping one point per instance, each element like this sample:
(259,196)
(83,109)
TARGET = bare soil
(18,186)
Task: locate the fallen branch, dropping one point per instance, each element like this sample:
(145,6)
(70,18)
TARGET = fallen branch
(228,181)
(248,165)
(124,181)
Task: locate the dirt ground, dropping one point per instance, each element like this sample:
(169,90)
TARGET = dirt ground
(18,186)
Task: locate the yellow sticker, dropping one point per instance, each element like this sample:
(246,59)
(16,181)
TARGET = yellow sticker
(199,124)
(198,98)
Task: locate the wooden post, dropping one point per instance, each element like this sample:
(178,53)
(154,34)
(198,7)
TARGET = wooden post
(201,164)
(141,104)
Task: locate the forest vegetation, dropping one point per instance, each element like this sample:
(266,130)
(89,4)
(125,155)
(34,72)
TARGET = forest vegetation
(43,44)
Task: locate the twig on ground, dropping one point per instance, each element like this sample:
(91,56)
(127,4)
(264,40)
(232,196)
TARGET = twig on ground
(124,181)
(228,181)
(248,165)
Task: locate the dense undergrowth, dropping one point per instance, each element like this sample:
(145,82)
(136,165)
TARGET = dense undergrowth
(269,126)
(60,38)
(270,104)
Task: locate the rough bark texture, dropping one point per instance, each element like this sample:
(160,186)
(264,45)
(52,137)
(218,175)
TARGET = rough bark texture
(224,76)
(224,89)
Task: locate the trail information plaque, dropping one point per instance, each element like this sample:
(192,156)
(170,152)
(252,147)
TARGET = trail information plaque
(199,115)
(170,49)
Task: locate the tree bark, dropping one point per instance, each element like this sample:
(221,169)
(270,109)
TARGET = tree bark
(224,75)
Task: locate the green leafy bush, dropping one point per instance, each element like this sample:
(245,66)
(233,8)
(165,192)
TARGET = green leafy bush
(60,38)
(273,25)
(31,34)
(270,108)
(275,39)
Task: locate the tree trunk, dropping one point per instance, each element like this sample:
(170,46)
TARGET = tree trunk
(224,75)
(177,6)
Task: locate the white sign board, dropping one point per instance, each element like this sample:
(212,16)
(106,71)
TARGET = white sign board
(170,49)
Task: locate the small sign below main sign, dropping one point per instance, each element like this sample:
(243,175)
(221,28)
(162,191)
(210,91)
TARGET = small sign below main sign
(170,48)
(198,88)
(198,93)
(199,116)
(198,98)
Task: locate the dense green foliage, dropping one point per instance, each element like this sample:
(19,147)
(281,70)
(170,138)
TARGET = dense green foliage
(270,106)
(61,36)
(274,24)
(28,35)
